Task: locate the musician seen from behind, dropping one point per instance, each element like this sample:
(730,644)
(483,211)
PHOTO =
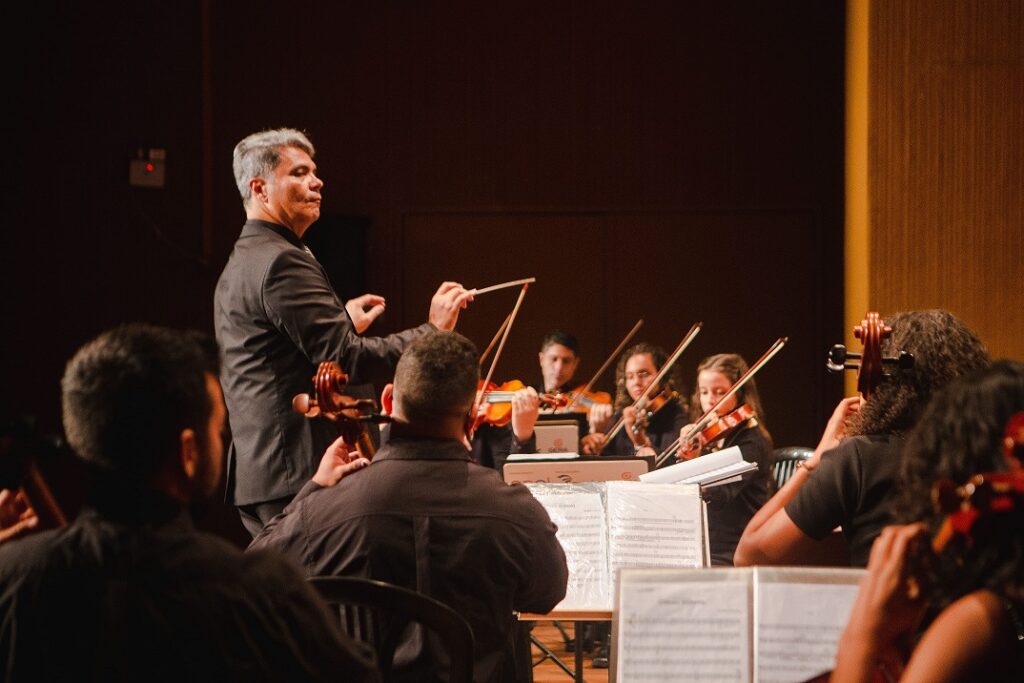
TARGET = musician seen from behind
(657,426)
(130,590)
(422,515)
(937,607)
(850,480)
(277,318)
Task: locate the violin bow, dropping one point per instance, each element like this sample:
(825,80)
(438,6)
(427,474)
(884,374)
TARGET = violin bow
(497,335)
(614,354)
(501,345)
(642,401)
(706,418)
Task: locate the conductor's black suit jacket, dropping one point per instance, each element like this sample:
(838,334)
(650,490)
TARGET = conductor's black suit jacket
(277,318)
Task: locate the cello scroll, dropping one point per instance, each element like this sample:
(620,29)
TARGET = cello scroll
(871,366)
(350,415)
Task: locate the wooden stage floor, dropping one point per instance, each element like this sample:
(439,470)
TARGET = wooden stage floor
(549,672)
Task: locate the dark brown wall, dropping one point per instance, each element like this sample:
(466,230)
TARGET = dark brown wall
(947,163)
(672,161)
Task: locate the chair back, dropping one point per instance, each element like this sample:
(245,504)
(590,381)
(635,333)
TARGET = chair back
(786,460)
(379,613)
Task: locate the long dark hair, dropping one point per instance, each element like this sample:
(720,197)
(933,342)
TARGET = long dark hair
(658,355)
(943,347)
(961,434)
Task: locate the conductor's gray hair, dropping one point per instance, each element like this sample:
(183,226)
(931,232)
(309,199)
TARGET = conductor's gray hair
(259,154)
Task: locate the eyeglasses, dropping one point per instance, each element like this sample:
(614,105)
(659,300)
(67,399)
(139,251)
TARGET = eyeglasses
(639,376)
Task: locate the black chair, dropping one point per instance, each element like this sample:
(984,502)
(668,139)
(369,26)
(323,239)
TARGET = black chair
(786,460)
(379,613)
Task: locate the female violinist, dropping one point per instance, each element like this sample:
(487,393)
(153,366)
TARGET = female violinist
(654,427)
(741,424)
(850,479)
(969,595)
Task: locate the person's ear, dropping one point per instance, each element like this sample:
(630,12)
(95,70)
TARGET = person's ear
(387,399)
(258,187)
(188,453)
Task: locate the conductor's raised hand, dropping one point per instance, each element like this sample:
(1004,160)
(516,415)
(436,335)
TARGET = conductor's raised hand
(450,298)
(338,462)
(364,310)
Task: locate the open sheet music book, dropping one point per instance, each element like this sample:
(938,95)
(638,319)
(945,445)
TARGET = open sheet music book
(608,526)
(752,625)
(720,467)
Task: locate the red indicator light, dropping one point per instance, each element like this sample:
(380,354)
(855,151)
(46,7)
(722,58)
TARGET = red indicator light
(149,168)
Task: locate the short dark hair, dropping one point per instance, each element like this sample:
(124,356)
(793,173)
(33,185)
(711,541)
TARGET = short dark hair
(562,337)
(960,434)
(944,348)
(129,393)
(437,376)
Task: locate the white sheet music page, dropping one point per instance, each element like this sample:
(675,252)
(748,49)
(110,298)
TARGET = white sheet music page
(578,513)
(654,525)
(683,630)
(699,470)
(801,614)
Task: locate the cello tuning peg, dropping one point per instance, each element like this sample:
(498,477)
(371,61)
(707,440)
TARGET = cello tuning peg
(837,357)
(905,360)
(304,404)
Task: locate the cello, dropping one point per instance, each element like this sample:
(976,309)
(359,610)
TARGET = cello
(872,367)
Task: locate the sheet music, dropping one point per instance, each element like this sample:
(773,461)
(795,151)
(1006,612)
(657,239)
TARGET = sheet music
(799,625)
(692,469)
(654,525)
(715,476)
(683,630)
(580,518)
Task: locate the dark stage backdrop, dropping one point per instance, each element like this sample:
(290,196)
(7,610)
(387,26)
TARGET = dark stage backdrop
(665,160)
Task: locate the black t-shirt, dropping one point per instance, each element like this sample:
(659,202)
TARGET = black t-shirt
(852,487)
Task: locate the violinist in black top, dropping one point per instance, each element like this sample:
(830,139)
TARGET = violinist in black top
(730,506)
(656,427)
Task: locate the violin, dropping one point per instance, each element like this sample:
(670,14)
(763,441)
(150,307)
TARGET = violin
(583,399)
(647,409)
(350,415)
(725,426)
(498,401)
(651,395)
(872,368)
(711,418)
(583,396)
